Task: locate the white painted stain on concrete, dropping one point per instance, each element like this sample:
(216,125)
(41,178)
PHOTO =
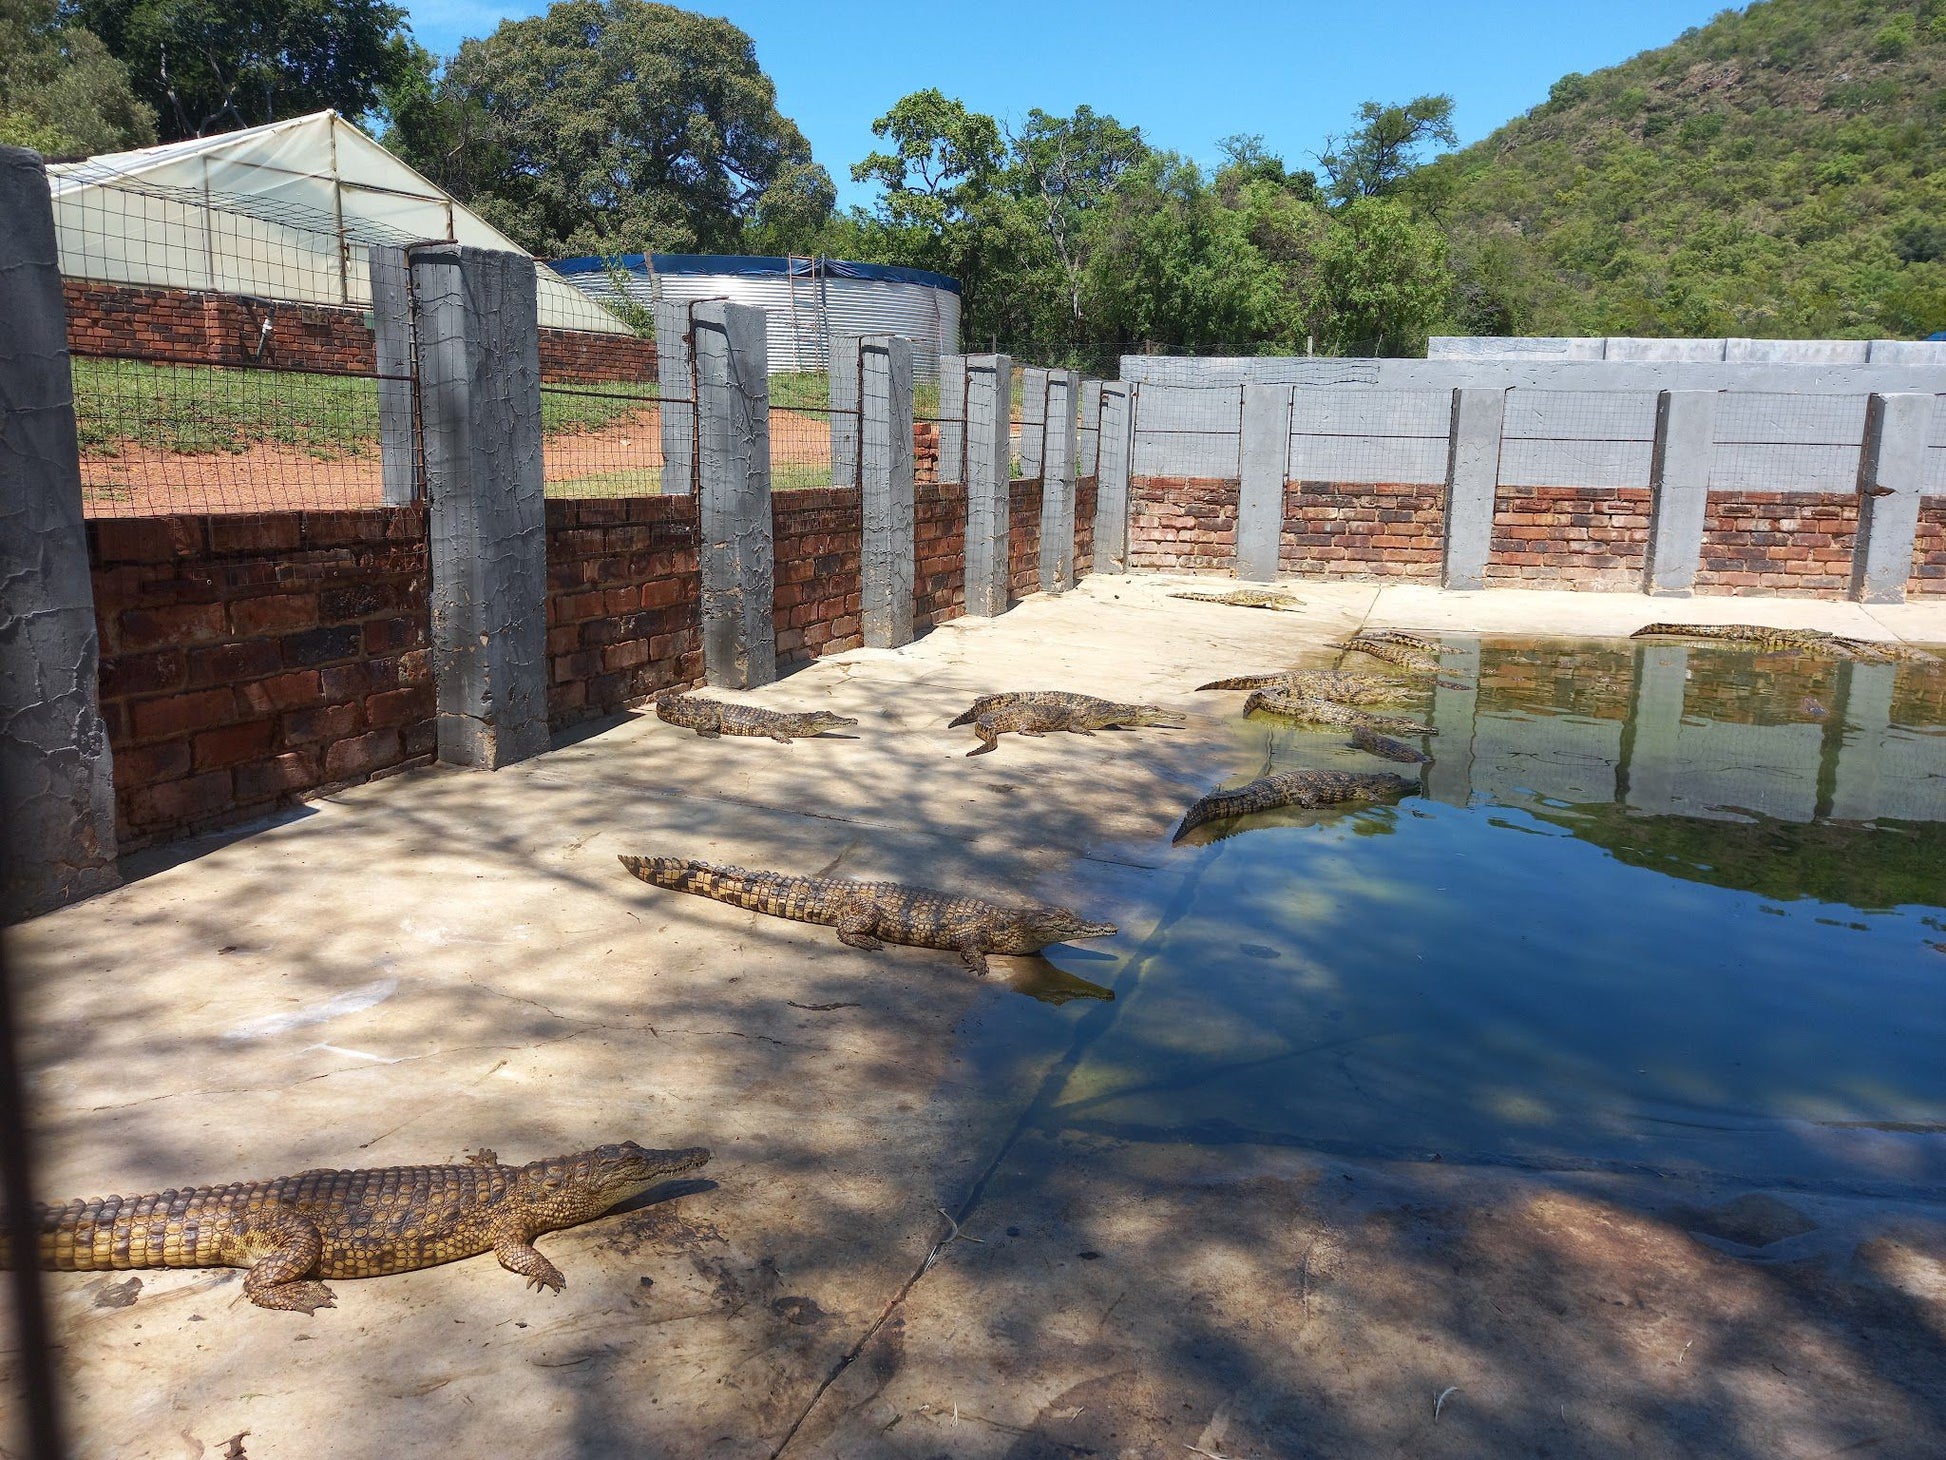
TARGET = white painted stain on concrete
(348,1002)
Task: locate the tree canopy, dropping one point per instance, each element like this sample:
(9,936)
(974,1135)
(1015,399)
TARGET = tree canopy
(215,65)
(614,126)
(61,92)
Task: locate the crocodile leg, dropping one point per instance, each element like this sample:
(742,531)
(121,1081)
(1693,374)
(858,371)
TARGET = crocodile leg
(781,739)
(975,958)
(856,925)
(989,738)
(518,1254)
(286,1248)
(709,734)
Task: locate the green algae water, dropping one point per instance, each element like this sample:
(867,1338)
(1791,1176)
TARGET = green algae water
(1655,908)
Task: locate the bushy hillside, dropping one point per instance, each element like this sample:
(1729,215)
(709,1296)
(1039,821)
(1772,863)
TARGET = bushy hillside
(1780,171)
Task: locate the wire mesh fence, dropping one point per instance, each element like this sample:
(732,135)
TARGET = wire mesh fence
(1369,435)
(604,440)
(1186,431)
(1583,438)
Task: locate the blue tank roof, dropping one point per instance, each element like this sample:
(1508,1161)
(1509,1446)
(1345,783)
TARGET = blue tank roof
(752,266)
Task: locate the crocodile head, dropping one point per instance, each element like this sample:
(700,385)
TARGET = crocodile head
(1153,715)
(819,721)
(1034,928)
(593,1181)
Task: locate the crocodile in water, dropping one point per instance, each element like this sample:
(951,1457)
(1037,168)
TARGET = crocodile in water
(1365,738)
(1404,651)
(871,914)
(1037,712)
(711,718)
(1245,598)
(1341,685)
(1312,710)
(1790,641)
(295,1230)
(1294,788)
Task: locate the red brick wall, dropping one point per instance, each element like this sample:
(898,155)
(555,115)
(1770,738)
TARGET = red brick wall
(1182,523)
(1569,537)
(816,536)
(939,546)
(925,453)
(622,603)
(1382,529)
(1929,548)
(1794,543)
(1024,536)
(249,662)
(121,319)
(1086,493)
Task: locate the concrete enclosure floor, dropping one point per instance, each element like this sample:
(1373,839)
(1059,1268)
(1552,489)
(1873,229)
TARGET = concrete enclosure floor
(409,971)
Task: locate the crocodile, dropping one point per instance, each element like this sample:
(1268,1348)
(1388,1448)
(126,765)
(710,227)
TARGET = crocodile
(1308,789)
(871,914)
(1791,641)
(1245,598)
(711,718)
(1326,684)
(1365,738)
(1312,710)
(1403,651)
(295,1230)
(1036,712)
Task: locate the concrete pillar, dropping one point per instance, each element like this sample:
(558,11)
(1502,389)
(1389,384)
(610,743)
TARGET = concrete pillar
(1033,421)
(1651,755)
(733,483)
(1266,451)
(392,343)
(989,403)
(1112,469)
(1472,484)
(480,416)
(1455,707)
(57,793)
(1088,464)
(1861,709)
(952,419)
(1891,478)
(1679,482)
(675,354)
(1062,438)
(888,561)
(847,361)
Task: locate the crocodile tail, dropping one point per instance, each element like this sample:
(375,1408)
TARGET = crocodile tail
(764,892)
(965,718)
(1213,807)
(1243,681)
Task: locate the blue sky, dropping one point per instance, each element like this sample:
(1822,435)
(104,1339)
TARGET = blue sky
(1185,73)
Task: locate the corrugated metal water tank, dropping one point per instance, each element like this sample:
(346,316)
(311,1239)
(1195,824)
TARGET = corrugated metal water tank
(809,301)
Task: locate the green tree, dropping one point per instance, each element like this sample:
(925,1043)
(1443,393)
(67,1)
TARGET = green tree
(1381,152)
(1383,282)
(214,65)
(1064,170)
(608,126)
(61,93)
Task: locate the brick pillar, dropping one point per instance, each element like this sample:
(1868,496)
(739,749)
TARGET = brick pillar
(480,404)
(57,794)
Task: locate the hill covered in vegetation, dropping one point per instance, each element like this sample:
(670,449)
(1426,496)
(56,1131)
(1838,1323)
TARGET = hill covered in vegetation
(1780,171)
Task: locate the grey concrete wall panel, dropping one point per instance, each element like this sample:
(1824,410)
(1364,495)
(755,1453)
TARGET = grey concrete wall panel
(952,420)
(1685,436)
(1033,420)
(1260,495)
(1368,459)
(1234,370)
(1627,347)
(733,487)
(842,396)
(887,565)
(480,409)
(392,344)
(1907,352)
(1581,415)
(1089,464)
(989,401)
(57,793)
(1534,373)
(1062,445)
(1111,494)
(1797,352)
(1861,711)
(678,397)
(1493,347)
(1526,463)
(1188,431)
(1472,485)
(1891,480)
(1369,435)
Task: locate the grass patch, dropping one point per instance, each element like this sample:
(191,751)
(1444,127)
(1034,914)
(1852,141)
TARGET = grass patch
(201,410)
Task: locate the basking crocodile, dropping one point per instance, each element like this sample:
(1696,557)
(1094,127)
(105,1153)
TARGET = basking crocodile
(1404,651)
(1245,598)
(1312,710)
(294,1230)
(1307,789)
(871,914)
(1326,684)
(711,718)
(1037,712)
(1365,738)
(1791,641)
